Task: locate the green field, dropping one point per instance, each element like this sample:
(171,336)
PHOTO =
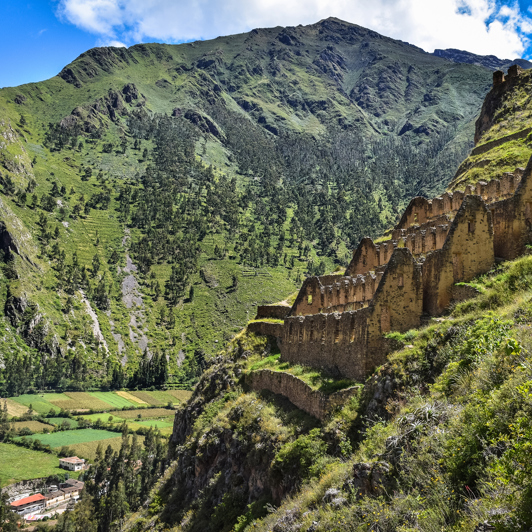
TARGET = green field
(147,413)
(59,420)
(104,417)
(113,399)
(72,437)
(106,401)
(18,463)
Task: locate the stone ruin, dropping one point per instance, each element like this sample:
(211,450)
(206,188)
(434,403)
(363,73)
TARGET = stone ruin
(338,322)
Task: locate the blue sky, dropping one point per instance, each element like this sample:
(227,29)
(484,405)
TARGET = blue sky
(40,37)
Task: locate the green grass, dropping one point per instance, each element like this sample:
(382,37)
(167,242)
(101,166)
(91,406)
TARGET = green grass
(19,463)
(72,437)
(87,450)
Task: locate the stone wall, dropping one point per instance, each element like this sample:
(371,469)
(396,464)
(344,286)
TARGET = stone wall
(467,252)
(266,328)
(298,392)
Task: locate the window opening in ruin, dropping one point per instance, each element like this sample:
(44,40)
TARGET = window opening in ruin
(471,226)
(458,267)
(364,260)
(309,299)
(385,320)
(290,332)
(301,332)
(337,331)
(400,280)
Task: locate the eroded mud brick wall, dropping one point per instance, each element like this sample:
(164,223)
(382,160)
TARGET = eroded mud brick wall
(467,252)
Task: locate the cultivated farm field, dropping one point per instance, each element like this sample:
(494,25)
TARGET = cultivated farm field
(73,437)
(34,426)
(117,417)
(147,413)
(18,463)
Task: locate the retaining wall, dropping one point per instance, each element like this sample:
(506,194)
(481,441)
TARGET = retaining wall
(298,392)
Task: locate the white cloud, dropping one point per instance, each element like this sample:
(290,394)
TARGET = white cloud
(479,26)
(112,42)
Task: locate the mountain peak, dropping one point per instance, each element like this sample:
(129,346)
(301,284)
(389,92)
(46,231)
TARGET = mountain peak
(488,61)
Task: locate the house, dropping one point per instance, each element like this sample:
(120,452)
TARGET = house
(54,497)
(29,504)
(71,493)
(72,463)
(72,483)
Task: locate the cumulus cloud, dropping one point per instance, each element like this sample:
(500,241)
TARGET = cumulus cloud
(479,26)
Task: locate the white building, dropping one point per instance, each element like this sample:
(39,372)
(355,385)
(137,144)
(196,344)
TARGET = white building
(72,463)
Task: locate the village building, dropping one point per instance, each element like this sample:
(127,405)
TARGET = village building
(72,463)
(53,498)
(30,504)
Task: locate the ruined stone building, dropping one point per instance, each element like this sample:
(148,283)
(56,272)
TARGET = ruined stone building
(339,322)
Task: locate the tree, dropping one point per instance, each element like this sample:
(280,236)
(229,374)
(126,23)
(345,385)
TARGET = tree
(5,428)
(8,518)
(95,265)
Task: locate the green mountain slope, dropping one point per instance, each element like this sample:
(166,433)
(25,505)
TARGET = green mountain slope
(152,197)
